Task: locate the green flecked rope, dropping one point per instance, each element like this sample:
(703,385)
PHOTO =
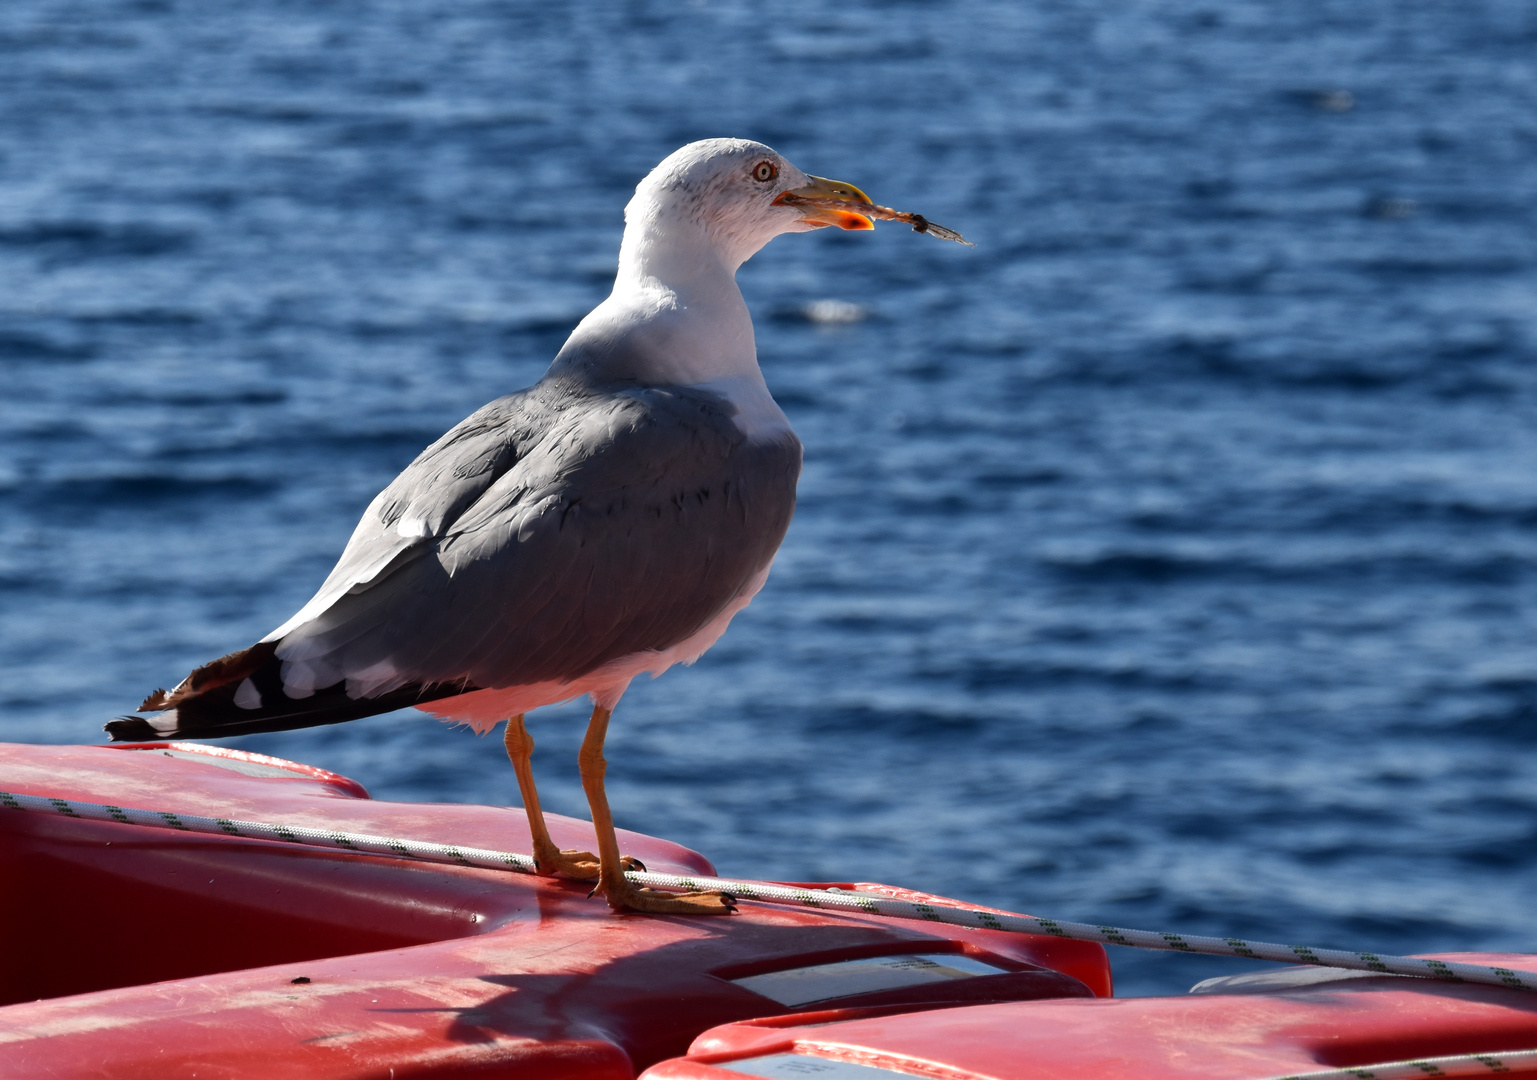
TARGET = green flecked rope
(824,899)
(1455,1065)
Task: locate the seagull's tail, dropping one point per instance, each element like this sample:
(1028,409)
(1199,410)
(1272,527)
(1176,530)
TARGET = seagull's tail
(242,693)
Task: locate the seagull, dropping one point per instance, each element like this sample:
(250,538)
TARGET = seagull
(608,521)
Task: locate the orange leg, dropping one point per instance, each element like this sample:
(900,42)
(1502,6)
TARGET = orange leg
(619,893)
(549,858)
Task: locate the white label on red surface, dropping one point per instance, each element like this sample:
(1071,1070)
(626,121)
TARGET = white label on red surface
(247,768)
(797,1066)
(798,986)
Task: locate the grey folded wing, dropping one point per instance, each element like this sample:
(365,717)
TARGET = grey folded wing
(551,532)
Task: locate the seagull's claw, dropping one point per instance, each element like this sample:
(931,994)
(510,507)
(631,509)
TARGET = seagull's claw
(627,897)
(581,865)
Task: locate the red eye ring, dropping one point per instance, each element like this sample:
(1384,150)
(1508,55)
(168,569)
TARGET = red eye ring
(764,171)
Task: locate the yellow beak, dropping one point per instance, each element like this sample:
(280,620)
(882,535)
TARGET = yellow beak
(819,202)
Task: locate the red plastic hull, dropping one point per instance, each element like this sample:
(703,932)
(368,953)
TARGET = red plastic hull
(157,954)
(1345,1021)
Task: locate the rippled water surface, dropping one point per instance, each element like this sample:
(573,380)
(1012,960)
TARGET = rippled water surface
(1168,560)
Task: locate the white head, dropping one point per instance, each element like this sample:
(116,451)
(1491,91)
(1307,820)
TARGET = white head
(726,194)
(676,315)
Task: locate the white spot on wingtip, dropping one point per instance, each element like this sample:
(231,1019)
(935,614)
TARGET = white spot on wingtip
(247,696)
(374,680)
(164,723)
(300,679)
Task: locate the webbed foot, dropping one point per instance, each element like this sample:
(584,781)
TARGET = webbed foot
(581,865)
(628,897)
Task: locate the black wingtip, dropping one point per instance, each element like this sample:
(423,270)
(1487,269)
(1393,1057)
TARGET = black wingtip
(131,729)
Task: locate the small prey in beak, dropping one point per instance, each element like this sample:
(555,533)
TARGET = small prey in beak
(832,202)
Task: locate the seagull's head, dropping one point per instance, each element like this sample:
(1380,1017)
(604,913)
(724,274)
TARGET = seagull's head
(735,195)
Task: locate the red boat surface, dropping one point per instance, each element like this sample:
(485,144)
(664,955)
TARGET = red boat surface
(135,952)
(140,952)
(1244,1028)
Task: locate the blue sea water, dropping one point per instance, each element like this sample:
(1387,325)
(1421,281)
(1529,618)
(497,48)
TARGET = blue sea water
(1169,560)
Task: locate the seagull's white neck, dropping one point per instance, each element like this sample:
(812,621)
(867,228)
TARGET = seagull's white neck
(675,317)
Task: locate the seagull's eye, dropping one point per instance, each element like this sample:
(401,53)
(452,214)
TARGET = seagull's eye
(764,171)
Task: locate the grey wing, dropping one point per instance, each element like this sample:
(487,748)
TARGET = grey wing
(609,525)
(403,520)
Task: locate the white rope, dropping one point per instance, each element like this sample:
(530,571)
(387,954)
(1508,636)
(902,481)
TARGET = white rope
(826,899)
(1456,1065)
(361,843)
